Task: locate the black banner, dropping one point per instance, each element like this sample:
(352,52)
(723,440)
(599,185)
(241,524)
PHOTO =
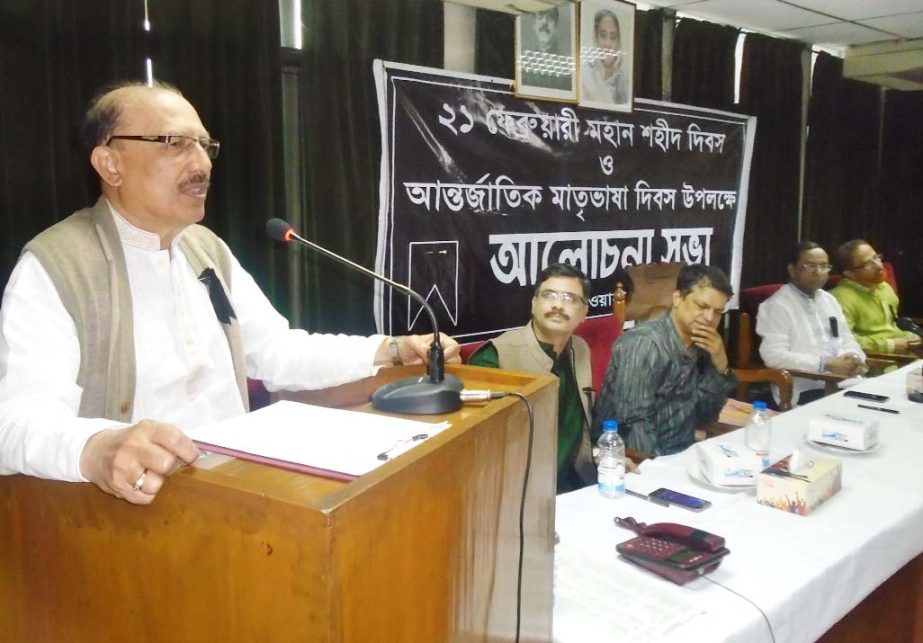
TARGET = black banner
(481,190)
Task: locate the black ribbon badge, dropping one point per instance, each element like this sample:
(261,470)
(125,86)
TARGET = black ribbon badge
(220,302)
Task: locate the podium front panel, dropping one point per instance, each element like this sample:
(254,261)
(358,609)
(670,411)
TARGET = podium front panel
(425,548)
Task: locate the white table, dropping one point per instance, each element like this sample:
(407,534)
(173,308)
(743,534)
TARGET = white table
(804,572)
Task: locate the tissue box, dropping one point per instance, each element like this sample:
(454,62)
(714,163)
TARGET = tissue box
(728,464)
(800,491)
(843,431)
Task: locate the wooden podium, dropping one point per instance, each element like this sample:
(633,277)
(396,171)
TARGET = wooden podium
(424,548)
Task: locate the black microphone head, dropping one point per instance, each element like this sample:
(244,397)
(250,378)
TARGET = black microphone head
(905,323)
(908,325)
(278,229)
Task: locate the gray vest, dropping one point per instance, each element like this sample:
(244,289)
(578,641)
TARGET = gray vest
(83,257)
(519,350)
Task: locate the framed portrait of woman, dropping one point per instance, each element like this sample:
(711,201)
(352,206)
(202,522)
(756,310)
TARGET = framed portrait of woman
(607,36)
(546,53)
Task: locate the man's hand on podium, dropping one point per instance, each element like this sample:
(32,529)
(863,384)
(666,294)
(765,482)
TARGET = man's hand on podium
(133,463)
(414,349)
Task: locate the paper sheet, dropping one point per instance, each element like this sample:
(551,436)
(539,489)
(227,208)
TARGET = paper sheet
(586,594)
(346,442)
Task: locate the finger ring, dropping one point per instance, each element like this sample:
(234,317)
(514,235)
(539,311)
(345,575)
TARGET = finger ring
(140,481)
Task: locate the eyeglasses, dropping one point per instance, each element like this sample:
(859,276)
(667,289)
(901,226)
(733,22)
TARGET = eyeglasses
(175,142)
(567,298)
(816,267)
(879,258)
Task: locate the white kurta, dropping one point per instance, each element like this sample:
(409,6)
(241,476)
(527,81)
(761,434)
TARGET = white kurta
(185,374)
(796,333)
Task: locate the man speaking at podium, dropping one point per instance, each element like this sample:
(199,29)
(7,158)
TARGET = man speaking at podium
(127,320)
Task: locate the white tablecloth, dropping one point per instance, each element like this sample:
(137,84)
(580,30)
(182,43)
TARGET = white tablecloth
(803,572)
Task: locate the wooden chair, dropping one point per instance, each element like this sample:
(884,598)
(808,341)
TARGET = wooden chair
(744,352)
(467,350)
(781,377)
(746,377)
(599,333)
(619,302)
(650,291)
(637,456)
(744,344)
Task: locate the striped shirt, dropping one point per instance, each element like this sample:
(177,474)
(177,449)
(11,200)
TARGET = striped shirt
(658,391)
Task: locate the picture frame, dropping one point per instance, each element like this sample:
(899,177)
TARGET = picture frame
(546,53)
(607,37)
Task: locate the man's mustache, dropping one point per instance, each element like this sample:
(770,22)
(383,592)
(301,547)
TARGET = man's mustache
(196,179)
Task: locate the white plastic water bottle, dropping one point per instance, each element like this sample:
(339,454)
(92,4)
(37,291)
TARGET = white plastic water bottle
(758,432)
(611,470)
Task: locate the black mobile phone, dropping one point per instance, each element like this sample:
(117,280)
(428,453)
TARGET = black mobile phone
(680,499)
(872,397)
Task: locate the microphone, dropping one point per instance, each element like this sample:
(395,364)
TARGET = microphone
(834,328)
(907,324)
(431,394)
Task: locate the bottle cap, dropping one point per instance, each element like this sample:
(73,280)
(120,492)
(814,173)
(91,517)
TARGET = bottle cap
(610,425)
(759,405)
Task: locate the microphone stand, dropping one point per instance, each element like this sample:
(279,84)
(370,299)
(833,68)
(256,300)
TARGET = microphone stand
(432,394)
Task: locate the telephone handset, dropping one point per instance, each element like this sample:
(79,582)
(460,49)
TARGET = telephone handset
(676,552)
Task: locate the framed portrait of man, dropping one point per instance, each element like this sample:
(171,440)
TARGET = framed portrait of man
(607,36)
(546,53)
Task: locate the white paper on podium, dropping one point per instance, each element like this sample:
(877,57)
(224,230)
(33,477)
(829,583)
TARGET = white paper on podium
(315,437)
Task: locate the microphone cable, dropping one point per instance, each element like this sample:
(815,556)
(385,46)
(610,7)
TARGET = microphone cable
(772,635)
(522,510)
(476,395)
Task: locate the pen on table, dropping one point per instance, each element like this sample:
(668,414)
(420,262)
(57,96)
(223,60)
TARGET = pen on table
(644,496)
(878,408)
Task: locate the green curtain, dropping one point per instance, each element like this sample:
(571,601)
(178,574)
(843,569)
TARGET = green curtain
(343,140)
(225,58)
(842,170)
(703,64)
(771,89)
(53,57)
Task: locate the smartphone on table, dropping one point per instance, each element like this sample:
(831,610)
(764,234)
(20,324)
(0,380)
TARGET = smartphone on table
(680,499)
(871,397)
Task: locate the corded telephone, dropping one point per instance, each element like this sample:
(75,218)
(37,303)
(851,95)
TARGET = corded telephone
(677,552)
